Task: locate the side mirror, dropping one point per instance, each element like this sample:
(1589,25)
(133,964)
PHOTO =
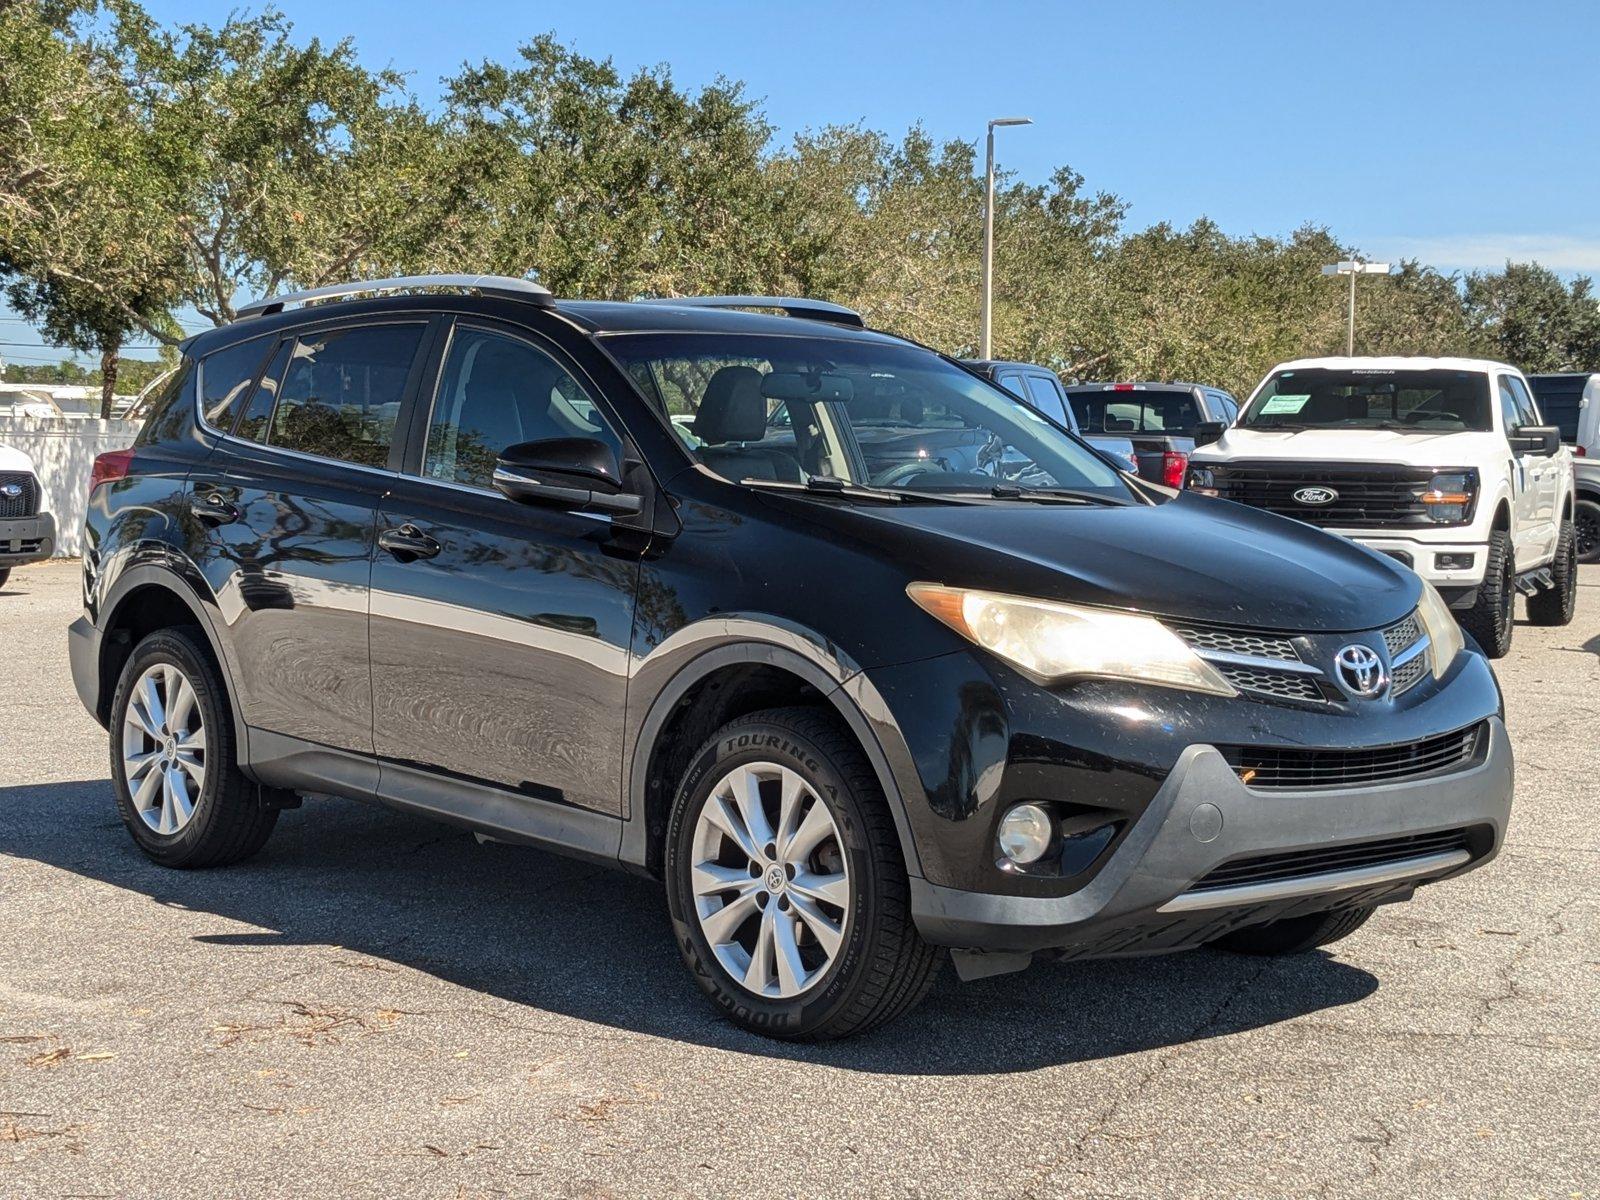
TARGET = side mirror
(1542,440)
(1209,431)
(579,474)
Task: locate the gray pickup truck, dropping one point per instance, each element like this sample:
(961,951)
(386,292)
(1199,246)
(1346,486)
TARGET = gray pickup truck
(1163,420)
(1586,507)
(1041,389)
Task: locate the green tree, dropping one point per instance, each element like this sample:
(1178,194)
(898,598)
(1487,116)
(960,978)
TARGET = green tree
(1527,316)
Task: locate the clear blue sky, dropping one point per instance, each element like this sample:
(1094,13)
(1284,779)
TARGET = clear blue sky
(1459,133)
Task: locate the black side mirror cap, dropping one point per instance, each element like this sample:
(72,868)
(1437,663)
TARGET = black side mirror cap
(579,474)
(1209,431)
(1542,440)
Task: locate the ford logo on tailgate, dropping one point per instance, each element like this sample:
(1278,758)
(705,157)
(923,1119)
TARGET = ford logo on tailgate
(1315,495)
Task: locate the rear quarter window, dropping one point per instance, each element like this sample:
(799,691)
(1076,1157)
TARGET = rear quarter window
(169,413)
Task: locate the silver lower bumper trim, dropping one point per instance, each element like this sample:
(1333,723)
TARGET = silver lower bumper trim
(1313,885)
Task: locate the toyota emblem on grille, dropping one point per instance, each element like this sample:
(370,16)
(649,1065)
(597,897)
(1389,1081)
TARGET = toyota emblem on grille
(12,490)
(1361,671)
(1315,495)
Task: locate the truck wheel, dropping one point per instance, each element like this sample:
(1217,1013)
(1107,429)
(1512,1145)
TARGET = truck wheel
(1491,618)
(178,785)
(5,574)
(1296,935)
(1555,606)
(1586,520)
(786,884)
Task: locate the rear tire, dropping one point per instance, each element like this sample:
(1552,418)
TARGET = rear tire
(1555,606)
(1296,935)
(1491,618)
(1586,521)
(807,935)
(189,805)
(5,574)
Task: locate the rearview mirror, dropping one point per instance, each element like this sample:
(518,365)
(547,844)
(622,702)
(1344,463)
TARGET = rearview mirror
(573,473)
(1209,431)
(793,386)
(1542,440)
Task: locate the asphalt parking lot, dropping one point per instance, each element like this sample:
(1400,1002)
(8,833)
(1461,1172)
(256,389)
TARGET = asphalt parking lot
(376,1006)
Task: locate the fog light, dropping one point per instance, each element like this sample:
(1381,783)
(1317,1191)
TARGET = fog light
(1025,834)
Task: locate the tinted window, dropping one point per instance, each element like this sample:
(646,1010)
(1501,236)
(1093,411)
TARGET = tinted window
(340,397)
(1136,411)
(1046,396)
(253,424)
(496,391)
(1527,411)
(225,379)
(1509,415)
(168,412)
(1407,401)
(1560,398)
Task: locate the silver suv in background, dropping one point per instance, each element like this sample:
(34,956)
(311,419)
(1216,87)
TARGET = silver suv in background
(1041,388)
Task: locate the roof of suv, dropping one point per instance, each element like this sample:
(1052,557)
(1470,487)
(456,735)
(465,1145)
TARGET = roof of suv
(593,316)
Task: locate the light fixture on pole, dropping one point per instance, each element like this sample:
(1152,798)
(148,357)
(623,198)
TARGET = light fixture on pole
(986,349)
(1353,267)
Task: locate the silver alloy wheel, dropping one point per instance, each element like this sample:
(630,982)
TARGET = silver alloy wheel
(770,880)
(164,748)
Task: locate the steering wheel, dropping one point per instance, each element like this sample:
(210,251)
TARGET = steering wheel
(1418,416)
(901,473)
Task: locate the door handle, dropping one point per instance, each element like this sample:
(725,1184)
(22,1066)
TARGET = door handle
(214,508)
(408,543)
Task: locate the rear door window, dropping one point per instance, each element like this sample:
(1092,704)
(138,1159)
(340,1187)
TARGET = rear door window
(340,395)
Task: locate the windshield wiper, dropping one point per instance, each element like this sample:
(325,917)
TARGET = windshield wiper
(1014,491)
(820,485)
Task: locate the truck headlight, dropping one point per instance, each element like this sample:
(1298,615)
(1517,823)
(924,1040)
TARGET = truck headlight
(1444,635)
(1054,642)
(1203,480)
(1450,496)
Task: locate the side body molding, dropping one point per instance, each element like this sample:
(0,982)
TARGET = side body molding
(696,651)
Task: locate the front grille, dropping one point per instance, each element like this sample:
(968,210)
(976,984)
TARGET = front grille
(1297,864)
(1368,494)
(24,505)
(1284,685)
(1277,768)
(1228,641)
(1398,637)
(1408,674)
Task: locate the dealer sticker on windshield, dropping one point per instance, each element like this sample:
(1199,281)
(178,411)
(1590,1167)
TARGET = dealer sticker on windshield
(1284,404)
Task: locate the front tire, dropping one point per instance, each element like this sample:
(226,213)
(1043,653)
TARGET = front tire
(1555,606)
(173,766)
(786,884)
(1492,616)
(1296,935)
(5,574)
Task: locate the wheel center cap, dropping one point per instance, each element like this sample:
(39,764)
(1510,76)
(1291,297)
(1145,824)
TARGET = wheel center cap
(775,879)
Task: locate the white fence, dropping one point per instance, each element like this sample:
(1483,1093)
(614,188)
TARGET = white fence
(63,450)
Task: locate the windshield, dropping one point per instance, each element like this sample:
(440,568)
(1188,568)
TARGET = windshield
(1368,398)
(1129,409)
(793,409)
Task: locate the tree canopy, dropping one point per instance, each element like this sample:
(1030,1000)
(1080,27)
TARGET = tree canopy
(148,169)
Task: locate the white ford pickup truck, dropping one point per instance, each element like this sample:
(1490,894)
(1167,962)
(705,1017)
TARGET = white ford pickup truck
(26,534)
(1442,463)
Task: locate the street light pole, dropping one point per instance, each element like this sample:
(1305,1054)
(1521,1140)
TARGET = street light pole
(1353,267)
(985,337)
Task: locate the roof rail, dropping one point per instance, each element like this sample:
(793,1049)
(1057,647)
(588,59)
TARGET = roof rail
(793,306)
(497,285)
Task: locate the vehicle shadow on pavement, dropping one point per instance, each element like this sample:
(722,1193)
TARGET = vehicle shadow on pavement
(569,938)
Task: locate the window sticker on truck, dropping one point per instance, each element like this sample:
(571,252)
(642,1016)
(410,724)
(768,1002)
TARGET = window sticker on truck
(1284,404)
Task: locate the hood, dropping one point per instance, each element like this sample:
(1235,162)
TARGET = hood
(12,459)
(1190,558)
(1326,446)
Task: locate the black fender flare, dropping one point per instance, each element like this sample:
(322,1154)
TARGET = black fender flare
(167,577)
(845,686)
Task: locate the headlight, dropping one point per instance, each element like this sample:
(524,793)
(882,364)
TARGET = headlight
(1054,642)
(1444,635)
(1202,480)
(1450,496)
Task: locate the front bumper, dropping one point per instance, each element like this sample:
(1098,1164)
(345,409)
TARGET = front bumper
(1422,554)
(1142,900)
(27,539)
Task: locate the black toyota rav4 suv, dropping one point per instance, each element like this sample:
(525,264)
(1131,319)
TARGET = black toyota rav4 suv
(641,582)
